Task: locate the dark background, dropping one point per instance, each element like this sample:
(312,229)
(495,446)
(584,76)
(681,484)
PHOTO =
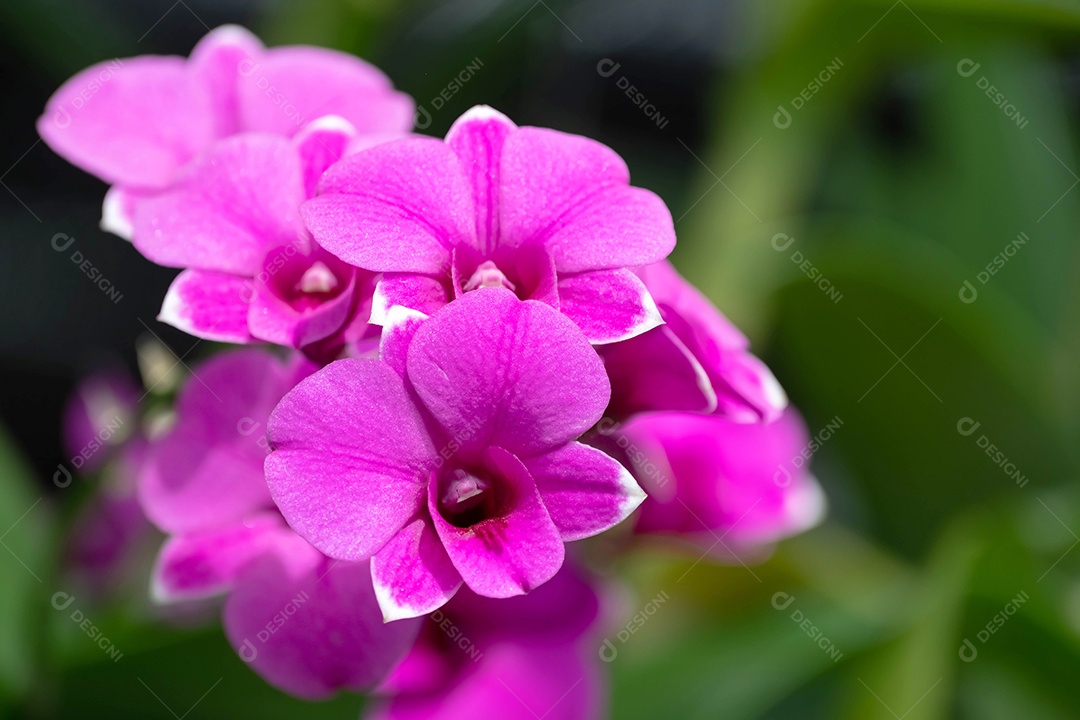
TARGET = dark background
(899,179)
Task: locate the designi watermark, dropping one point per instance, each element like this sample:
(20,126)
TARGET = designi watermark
(967,426)
(782,601)
(968,650)
(783,117)
(968,292)
(968,67)
(608,650)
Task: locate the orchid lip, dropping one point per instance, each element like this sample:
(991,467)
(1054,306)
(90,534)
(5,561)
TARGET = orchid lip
(467,498)
(317,279)
(487,274)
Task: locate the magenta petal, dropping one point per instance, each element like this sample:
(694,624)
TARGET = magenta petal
(208,470)
(608,305)
(351,458)
(291,86)
(321,144)
(282,312)
(584,490)
(397,207)
(747,391)
(571,194)
(218,62)
(656,371)
(210,305)
(745,388)
(512,681)
(412,574)
(310,625)
(495,370)
(715,477)
(508,555)
(133,122)
(118,210)
(400,326)
(422,293)
(477,138)
(235,203)
(199,564)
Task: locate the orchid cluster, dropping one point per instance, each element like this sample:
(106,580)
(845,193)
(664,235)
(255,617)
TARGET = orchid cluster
(461,357)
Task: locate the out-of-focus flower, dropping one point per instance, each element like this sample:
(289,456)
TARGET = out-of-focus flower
(307,624)
(709,477)
(454,459)
(696,362)
(253,272)
(528,656)
(101,435)
(135,123)
(99,417)
(549,216)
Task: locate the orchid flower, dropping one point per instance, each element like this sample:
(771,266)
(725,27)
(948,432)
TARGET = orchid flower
(253,272)
(709,477)
(137,122)
(453,458)
(546,215)
(698,361)
(308,624)
(532,655)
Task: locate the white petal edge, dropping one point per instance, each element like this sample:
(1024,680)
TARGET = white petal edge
(390,608)
(651,320)
(113,218)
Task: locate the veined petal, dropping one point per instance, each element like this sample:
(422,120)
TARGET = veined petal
(608,305)
(571,194)
(236,203)
(477,138)
(412,573)
(351,456)
(210,305)
(584,490)
(495,370)
(397,207)
(508,555)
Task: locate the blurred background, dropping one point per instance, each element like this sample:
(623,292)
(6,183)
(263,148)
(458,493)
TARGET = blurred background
(881,193)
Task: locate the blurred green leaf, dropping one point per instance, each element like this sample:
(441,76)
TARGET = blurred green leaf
(25,539)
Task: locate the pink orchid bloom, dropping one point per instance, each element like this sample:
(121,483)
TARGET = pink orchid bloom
(547,215)
(696,362)
(253,272)
(101,434)
(99,417)
(453,458)
(709,477)
(532,655)
(308,624)
(136,123)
